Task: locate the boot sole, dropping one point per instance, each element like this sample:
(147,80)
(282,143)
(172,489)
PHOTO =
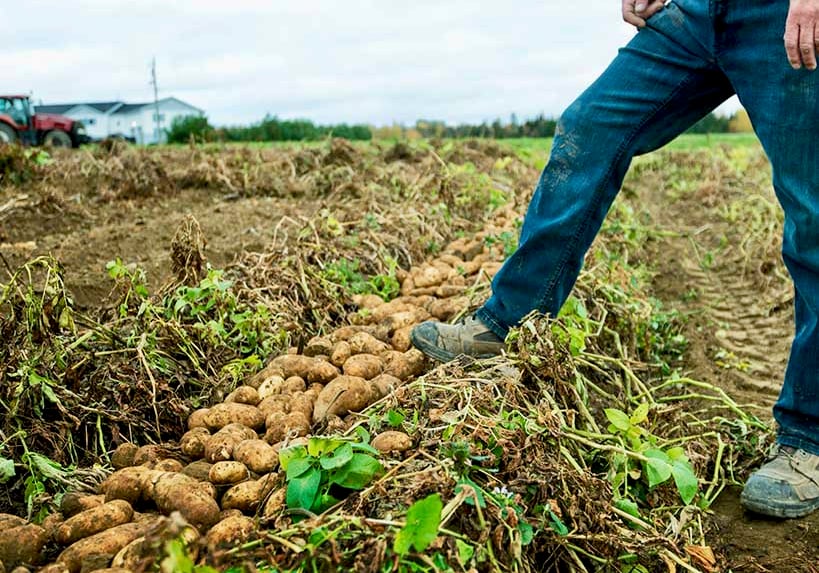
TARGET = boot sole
(437,353)
(779,509)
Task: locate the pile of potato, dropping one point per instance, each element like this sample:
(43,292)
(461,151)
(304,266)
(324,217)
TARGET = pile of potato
(222,476)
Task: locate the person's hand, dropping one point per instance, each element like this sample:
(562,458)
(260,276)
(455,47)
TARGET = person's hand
(801,33)
(636,12)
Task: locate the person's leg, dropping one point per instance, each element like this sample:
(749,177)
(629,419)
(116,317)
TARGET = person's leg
(783,105)
(659,85)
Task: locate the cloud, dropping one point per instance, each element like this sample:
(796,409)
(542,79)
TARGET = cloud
(373,61)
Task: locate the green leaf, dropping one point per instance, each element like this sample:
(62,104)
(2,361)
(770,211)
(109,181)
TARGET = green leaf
(395,418)
(302,491)
(421,528)
(479,496)
(628,506)
(557,524)
(658,467)
(6,469)
(357,473)
(465,552)
(323,502)
(675,454)
(365,448)
(685,479)
(527,533)
(640,415)
(337,457)
(618,419)
(298,466)
(289,454)
(317,447)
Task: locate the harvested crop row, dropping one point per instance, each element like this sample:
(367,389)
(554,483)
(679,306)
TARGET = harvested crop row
(223,475)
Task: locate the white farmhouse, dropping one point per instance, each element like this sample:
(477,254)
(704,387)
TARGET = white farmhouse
(135,121)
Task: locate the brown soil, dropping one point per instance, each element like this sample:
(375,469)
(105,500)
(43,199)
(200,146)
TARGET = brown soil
(739,307)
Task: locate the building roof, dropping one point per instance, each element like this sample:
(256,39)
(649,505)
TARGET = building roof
(129,107)
(56,108)
(113,107)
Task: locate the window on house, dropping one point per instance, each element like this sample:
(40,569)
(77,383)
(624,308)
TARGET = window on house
(88,121)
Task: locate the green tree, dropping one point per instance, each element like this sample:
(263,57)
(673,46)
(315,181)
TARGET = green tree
(190,127)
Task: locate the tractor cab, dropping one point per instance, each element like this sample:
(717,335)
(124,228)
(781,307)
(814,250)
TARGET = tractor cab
(19,124)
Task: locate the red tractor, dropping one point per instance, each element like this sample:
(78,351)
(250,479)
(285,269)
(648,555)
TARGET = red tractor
(19,124)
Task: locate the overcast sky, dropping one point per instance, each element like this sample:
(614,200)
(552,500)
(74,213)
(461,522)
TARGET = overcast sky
(369,61)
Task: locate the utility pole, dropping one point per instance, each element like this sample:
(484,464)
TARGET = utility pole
(156,100)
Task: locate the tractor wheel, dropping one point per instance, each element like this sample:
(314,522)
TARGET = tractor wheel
(57,138)
(7,134)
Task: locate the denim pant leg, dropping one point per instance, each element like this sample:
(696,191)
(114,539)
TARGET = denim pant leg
(657,87)
(783,105)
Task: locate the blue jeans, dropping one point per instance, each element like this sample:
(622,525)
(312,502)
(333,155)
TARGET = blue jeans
(692,56)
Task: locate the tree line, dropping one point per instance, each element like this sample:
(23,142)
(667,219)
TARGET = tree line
(198,128)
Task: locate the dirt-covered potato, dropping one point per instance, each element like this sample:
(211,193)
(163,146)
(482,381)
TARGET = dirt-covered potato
(73,503)
(93,520)
(224,414)
(230,532)
(224,473)
(274,503)
(257,455)
(123,456)
(270,387)
(342,395)
(8,521)
(322,372)
(178,492)
(192,442)
(219,447)
(392,441)
(295,383)
(367,301)
(407,318)
(366,366)
(197,418)
(448,308)
(428,275)
(21,544)
(340,353)
(198,470)
(50,568)
(149,454)
(105,543)
(318,346)
(293,365)
(385,384)
(298,423)
(244,395)
(245,496)
(366,343)
(270,371)
(303,402)
(410,363)
(126,484)
(401,339)
(274,403)
(51,522)
(169,465)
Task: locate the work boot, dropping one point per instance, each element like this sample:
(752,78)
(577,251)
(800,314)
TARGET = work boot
(443,342)
(786,486)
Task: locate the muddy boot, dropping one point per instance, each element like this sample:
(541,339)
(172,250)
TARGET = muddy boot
(786,486)
(443,342)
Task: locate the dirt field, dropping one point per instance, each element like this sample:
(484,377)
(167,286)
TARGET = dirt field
(683,307)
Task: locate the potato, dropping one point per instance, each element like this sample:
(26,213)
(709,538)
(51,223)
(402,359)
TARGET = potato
(303,403)
(275,420)
(342,395)
(73,503)
(347,332)
(230,532)
(225,513)
(446,309)
(298,423)
(275,403)
(51,568)
(318,346)
(94,520)
(274,503)
(7,521)
(270,371)
(244,395)
(178,492)
(322,372)
(51,522)
(294,384)
(392,441)
(293,365)
(224,473)
(410,363)
(149,454)
(365,343)
(169,465)
(341,352)
(126,484)
(257,455)
(21,544)
(105,543)
(401,339)
(245,496)
(198,470)
(403,319)
(197,418)
(428,276)
(385,384)
(491,268)
(270,387)
(219,447)
(141,553)
(448,290)
(123,456)
(365,366)
(368,301)
(193,441)
(223,414)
